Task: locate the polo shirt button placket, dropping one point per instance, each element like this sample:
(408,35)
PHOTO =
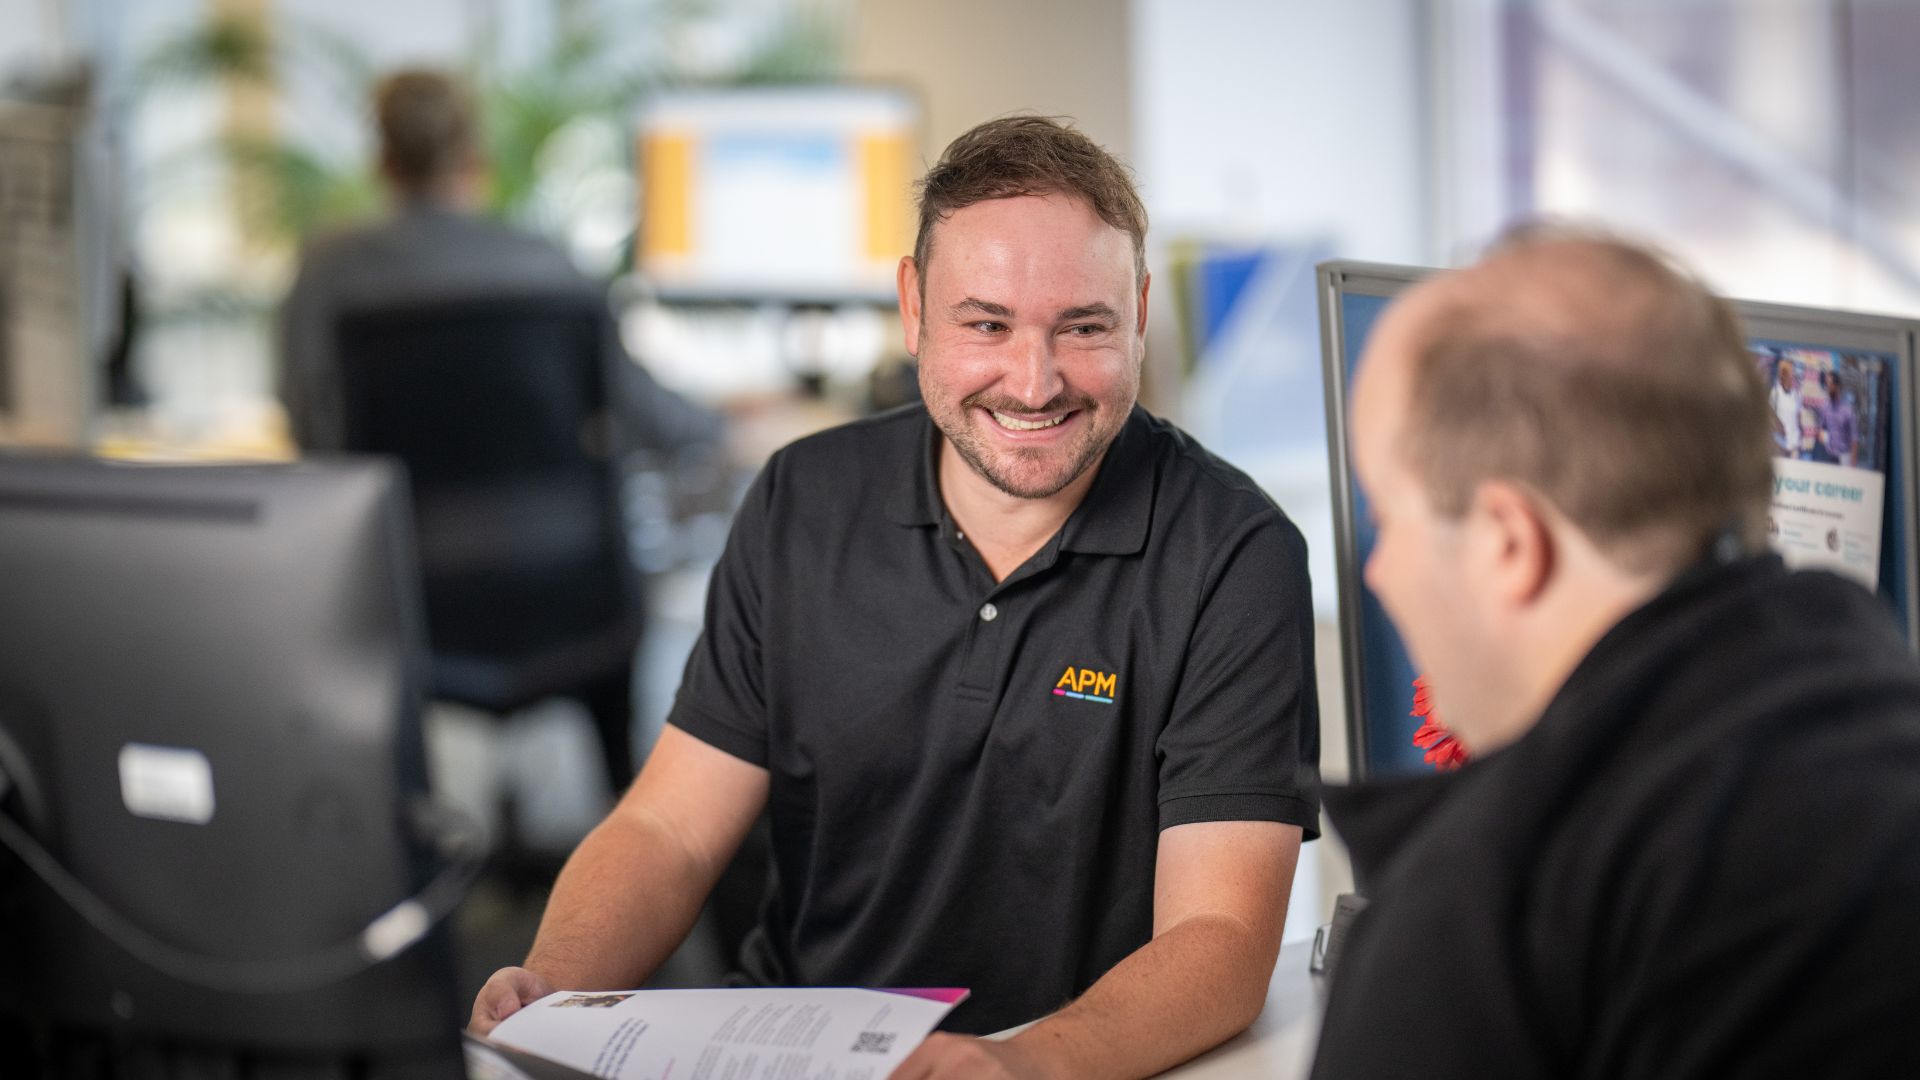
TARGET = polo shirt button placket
(979,668)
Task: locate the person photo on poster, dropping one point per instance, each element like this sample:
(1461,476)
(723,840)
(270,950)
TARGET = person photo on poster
(1830,433)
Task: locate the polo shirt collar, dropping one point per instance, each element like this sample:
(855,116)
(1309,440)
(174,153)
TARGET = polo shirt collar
(1111,520)
(915,498)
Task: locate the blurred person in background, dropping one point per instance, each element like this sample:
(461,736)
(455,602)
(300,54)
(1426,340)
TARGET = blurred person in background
(436,245)
(1688,843)
(1023,676)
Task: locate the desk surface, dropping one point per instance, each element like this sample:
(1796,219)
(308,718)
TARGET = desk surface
(1279,1045)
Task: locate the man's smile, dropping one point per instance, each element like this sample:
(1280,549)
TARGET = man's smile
(1017,423)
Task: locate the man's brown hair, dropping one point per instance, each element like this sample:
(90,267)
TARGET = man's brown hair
(1606,379)
(1029,155)
(426,128)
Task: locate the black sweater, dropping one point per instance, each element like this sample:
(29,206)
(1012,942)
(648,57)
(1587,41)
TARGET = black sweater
(1704,860)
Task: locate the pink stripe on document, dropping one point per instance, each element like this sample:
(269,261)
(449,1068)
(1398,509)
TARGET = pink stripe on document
(949,994)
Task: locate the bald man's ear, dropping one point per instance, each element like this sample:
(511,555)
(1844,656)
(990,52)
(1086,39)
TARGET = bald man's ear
(1510,543)
(908,285)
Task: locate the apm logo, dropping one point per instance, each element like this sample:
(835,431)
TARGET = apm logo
(1087,685)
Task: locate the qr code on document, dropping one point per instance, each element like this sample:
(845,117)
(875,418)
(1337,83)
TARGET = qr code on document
(873,1042)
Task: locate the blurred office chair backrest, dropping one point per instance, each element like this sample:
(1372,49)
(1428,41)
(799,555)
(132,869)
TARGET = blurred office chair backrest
(499,408)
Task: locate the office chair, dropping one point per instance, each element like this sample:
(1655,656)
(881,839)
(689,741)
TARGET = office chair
(499,407)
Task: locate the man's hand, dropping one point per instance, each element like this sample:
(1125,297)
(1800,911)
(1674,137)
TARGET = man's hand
(962,1057)
(507,990)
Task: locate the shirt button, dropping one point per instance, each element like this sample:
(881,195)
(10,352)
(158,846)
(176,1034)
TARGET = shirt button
(988,613)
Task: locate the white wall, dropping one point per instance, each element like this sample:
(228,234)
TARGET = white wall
(973,61)
(1296,126)
(1282,119)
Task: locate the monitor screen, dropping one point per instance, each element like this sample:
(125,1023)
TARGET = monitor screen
(1843,498)
(801,193)
(214,800)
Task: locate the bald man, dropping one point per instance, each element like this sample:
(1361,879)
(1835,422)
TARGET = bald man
(1689,841)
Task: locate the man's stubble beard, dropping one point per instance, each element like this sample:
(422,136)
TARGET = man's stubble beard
(972,449)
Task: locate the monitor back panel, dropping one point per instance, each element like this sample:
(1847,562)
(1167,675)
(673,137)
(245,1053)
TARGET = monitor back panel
(214,675)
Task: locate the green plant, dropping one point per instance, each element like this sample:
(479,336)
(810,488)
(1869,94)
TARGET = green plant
(286,186)
(290,185)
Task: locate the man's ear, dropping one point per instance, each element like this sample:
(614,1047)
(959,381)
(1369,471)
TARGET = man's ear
(908,283)
(1512,543)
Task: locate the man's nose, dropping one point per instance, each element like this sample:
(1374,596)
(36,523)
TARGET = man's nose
(1036,379)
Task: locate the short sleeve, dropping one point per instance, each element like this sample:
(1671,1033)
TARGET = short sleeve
(1242,742)
(722,696)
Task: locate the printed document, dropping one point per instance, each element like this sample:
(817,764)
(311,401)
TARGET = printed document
(752,1034)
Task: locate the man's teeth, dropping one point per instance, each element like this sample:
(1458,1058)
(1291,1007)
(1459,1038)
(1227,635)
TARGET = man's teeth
(1014,423)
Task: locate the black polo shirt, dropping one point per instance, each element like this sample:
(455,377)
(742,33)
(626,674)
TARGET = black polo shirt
(969,779)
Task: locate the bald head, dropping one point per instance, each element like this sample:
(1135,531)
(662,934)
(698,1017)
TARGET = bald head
(1599,376)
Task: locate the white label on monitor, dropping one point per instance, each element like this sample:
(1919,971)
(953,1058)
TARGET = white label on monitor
(166,783)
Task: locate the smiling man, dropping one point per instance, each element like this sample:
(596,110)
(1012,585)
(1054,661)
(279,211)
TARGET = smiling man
(1024,676)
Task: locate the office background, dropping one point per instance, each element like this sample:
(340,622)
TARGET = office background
(1769,145)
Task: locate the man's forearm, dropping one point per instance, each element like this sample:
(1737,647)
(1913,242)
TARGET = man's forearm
(1184,992)
(623,902)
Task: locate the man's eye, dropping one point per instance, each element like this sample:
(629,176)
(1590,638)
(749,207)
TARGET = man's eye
(1086,329)
(989,327)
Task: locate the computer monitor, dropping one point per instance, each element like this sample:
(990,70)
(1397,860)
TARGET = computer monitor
(1877,358)
(794,193)
(214,803)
